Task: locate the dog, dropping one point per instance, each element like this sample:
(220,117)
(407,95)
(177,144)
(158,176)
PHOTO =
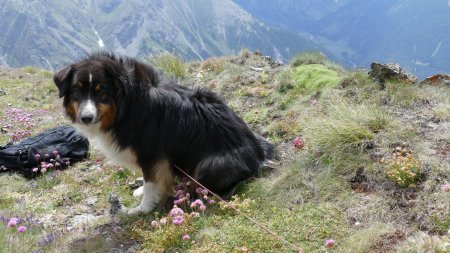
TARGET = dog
(147,122)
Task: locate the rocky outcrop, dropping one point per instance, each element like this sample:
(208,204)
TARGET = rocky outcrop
(392,71)
(437,79)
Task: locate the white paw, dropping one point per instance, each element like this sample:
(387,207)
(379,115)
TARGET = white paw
(139,192)
(135,210)
(139,209)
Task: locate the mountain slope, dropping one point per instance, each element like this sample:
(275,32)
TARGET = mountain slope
(51,33)
(414,33)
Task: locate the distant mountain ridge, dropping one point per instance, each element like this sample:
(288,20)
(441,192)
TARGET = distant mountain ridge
(414,33)
(51,33)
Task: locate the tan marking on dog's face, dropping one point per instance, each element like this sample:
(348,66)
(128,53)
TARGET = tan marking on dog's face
(161,174)
(98,88)
(72,110)
(107,115)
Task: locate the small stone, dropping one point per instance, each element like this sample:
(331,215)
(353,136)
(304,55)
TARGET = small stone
(116,204)
(91,200)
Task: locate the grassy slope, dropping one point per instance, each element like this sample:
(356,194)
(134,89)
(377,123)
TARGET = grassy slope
(335,187)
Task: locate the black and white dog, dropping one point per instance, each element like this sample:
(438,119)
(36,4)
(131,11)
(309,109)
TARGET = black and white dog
(144,121)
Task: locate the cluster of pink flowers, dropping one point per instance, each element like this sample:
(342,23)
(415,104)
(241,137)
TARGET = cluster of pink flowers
(13,222)
(298,143)
(49,162)
(20,134)
(185,208)
(19,116)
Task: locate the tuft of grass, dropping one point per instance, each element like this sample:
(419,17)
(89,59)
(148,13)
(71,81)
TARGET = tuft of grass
(422,242)
(341,134)
(357,78)
(309,58)
(363,240)
(171,64)
(403,94)
(285,80)
(31,70)
(315,77)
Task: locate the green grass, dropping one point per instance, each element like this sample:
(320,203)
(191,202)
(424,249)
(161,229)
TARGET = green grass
(171,64)
(309,58)
(315,77)
(309,197)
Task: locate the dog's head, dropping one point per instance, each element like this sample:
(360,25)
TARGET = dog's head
(91,89)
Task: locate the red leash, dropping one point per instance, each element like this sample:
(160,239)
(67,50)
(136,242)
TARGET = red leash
(261,226)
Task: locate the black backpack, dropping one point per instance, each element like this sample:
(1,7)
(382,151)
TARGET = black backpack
(22,158)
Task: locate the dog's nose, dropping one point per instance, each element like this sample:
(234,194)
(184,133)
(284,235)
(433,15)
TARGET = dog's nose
(87,118)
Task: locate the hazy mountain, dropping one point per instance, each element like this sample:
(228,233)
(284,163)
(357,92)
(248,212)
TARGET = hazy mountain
(415,33)
(50,33)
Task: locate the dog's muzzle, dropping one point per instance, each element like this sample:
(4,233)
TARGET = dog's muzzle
(88,112)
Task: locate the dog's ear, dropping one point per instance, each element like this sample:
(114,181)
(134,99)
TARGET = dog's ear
(63,79)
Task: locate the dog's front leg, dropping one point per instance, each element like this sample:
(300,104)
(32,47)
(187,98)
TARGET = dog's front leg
(151,197)
(158,184)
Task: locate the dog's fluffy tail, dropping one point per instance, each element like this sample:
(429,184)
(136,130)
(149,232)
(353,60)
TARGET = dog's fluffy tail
(268,148)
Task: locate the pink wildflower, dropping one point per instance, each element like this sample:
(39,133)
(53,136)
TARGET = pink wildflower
(195,214)
(176,211)
(37,156)
(186,237)
(43,170)
(178,220)
(12,222)
(204,192)
(55,152)
(329,243)
(35,170)
(22,229)
(202,208)
(179,193)
(314,102)
(120,169)
(163,221)
(211,201)
(298,143)
(445,187)
(196,203)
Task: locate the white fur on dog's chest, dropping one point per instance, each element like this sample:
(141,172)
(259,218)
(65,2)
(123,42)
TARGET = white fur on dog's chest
(105,143)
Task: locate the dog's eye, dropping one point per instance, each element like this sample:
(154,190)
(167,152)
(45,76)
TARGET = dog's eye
(76,90)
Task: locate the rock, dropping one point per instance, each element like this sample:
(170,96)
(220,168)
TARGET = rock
(91,201)
(272,63)
(437,79)
(116,204)
(256,69)
(138,182)
(392,71)
(82,219)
